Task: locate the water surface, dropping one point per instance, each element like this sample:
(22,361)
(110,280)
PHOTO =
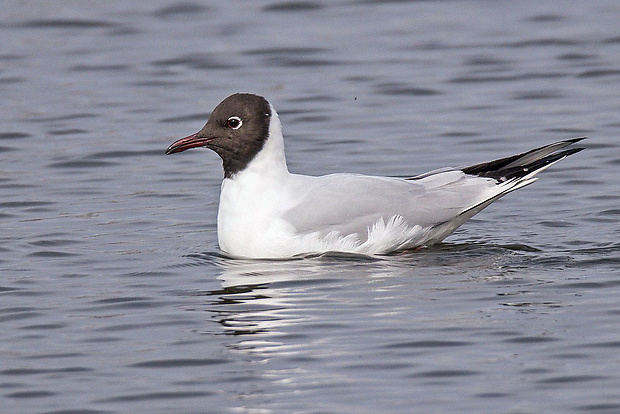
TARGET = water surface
(114,297)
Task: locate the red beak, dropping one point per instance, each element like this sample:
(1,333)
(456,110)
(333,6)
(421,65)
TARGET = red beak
(186,143)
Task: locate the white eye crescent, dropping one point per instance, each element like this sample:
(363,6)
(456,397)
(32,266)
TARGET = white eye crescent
(234,122)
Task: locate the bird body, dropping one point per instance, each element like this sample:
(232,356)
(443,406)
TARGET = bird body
(267,212)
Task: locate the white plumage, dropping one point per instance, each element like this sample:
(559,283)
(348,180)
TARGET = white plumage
(267,212)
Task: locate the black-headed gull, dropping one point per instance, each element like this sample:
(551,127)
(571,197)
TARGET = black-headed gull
(267,212)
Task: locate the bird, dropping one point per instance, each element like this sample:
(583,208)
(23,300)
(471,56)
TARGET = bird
(266,212)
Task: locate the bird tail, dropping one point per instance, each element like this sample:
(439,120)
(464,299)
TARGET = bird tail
(523,167)
(510,173)
(517,171)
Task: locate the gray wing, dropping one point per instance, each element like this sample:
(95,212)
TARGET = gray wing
(349,203)
(442,199)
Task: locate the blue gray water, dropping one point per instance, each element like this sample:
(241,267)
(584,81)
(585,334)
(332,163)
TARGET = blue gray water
(115,299)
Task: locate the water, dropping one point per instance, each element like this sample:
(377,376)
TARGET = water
(114,298)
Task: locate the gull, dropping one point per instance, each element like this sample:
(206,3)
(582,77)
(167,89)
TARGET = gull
(266,212)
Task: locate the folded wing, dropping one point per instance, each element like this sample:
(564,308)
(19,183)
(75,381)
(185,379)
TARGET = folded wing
(438,202)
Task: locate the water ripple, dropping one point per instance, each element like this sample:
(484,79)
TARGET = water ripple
(116,298)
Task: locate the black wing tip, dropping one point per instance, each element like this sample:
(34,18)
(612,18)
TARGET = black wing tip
(573,141)
(504,168)
(556,156)
(569,151)
(572,151)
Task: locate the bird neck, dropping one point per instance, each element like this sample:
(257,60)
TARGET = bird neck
(271,159)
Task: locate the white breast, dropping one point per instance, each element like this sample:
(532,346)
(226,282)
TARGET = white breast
(253,201)
(250,214)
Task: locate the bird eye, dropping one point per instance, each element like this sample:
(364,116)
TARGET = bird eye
(234,122)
